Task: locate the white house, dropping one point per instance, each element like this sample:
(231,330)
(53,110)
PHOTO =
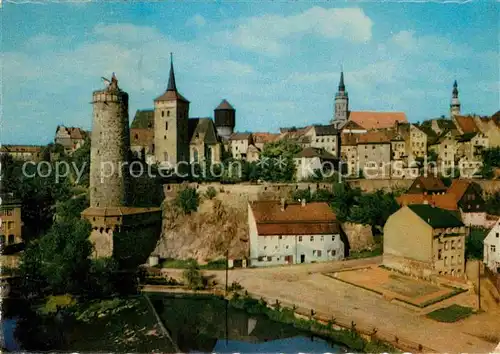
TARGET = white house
(282,233)
(491,252)
(311,159)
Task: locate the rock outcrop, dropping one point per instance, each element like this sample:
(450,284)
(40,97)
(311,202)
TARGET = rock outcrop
(217,226)
(360,236)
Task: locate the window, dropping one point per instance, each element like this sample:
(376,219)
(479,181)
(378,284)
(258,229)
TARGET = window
(11,239)
(163,113)
(445,260)
(459,244)
(322,238)
(166,125)
(492,248)
(164,137)
(136,136)
(439,254)
(300,238)
(260,259)
(312,238)
(498,234)
(168,113)
(334,252)
(319,253)
(452,260)
(314,252)
(452,245)
(446,245)
(269,258)
(280,237)
(333,237)
(265,247)
(286,247)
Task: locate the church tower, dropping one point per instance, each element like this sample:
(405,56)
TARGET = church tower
(341,110)
(455,103)
(171,114)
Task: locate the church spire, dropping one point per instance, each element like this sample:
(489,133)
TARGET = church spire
(455,89)
(341,83)
(171,79)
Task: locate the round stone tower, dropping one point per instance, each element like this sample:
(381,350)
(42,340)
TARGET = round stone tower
(110,144)
(225,119)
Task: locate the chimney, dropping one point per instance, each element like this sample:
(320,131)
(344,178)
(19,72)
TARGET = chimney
(283,204)
(303,202)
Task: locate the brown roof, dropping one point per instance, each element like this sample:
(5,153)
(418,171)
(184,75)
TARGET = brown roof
(142,136)
(311,219)
(21,148)
(117,211)
(347,139)
(430,183)
(310,152)
(458,188)
(374,137)
(224,105)
(377,120)
(444,201)
(240,136)
(171,95)
(467,124)
(264,137)
(352,125)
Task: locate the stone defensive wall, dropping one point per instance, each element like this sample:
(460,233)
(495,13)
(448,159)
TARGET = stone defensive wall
(263,191)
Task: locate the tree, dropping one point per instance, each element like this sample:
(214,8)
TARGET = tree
(493,203)
(277,162)
(491,156)
(187,200)
(344,197)
(81,161)
(192,276)
(58,262)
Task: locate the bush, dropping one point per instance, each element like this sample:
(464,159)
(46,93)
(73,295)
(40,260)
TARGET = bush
(193,278)
(235,286)
(211,192)
(187,200)
(55,303)
(474,243)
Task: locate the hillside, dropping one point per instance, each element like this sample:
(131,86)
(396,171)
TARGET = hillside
(206,234)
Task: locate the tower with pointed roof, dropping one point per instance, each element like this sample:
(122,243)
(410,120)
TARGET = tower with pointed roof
(455,103)
(171,114)
(341,109)
(225,117)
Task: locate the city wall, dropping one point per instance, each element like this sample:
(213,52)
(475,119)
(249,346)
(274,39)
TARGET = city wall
(266,191)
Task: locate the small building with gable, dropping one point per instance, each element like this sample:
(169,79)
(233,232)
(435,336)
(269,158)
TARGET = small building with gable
(282,233)
(491,252)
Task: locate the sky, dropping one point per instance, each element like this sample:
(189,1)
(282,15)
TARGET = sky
(277,62)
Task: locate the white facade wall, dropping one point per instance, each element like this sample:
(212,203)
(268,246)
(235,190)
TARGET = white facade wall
(305,167)
(474,219)
(273,250)
(239,148)
(491,252)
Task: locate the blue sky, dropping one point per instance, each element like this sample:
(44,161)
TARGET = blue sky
(277,62)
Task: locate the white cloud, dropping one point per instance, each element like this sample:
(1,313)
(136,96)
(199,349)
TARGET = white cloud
(197,21)
(270,34)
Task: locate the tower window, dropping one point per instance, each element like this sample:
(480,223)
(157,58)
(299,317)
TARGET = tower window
(136,136)
(163,113)
(166,125)
(165,137)
(168,113)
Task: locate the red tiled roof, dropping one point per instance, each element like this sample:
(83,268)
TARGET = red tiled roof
(21,148)
(224,105)
(444,201)
(240,136)
(296,219)
(467,124)
(377,120)
(374,137)
(264,137)
(352,125)
(310,152)
(458,188)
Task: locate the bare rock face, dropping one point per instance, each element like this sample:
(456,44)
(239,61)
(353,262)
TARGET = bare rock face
(205,235)
(360,236)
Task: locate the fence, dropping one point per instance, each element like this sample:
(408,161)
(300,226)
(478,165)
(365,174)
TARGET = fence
(493,277)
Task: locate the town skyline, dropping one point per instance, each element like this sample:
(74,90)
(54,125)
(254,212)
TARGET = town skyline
(408,65)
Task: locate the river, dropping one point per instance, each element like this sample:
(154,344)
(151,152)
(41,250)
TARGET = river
(202,324)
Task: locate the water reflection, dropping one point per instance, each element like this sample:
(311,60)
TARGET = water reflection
(201,324)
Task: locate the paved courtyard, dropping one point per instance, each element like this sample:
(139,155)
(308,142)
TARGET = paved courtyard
(307,287)
(393,285)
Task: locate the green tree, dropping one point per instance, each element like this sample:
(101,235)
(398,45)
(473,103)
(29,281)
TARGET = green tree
(57,262)
(187,200)
(81,161)
(374,209)
(491,156)
(344,198)
(277,162)
(192,276)
(474,243)
(493,203)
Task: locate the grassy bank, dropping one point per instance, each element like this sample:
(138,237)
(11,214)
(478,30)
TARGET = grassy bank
(185,263)
(451,313)
(347,337)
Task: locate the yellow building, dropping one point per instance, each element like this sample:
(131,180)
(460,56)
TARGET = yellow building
(424,240)
(11,224)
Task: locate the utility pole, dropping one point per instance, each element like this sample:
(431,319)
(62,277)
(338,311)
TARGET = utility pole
(227,267)
(227,300)
(479,284)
